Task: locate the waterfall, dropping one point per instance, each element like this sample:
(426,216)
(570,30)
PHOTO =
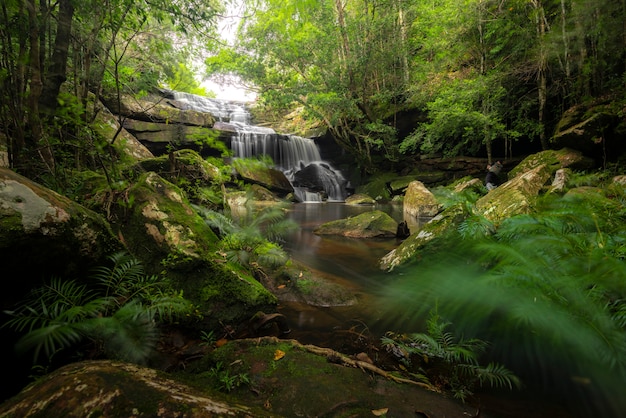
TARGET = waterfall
(313,179)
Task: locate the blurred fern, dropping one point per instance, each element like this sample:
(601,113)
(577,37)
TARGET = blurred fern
(117,317)
(445,362)
(547,290)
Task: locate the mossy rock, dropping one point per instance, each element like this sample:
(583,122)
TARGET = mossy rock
(516,196)
(291,379)
(365,225)
(169,237)
(410,248)
(360,199)
(115,389)
(552,160)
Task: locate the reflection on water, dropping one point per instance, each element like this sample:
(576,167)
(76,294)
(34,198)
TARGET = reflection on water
(350,262)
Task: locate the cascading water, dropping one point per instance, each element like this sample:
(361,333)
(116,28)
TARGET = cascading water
(313,179)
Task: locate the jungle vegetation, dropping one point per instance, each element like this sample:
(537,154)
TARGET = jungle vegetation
(479,76)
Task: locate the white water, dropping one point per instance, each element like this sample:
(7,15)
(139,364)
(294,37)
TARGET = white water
(290,153)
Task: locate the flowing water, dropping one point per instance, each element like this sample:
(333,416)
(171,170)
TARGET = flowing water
(350,262)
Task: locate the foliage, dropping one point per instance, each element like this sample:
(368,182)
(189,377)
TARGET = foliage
(118,315)
(445,362)
(251,240)
(546,289)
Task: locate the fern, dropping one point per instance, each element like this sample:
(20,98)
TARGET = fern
(545,287)
(449,362)
(117,316)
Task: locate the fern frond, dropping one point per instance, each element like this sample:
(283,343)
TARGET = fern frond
(497,376)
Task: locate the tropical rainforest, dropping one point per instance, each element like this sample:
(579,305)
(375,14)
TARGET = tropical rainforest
(481,78)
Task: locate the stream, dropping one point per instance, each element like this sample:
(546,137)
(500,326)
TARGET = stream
(350,262)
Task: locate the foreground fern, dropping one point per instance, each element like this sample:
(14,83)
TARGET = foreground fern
(437,358)
(547,290)
(117,318)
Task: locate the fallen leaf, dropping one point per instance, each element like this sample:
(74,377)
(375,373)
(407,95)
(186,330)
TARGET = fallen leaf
(282,286)
(380,412)
(221,342)
(278,354)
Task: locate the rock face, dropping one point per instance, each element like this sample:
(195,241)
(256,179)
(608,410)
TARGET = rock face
(596,129)
(43,233)
(366,225)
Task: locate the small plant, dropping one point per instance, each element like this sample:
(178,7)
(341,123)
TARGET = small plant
(439,359)
(208,338)
(224,380)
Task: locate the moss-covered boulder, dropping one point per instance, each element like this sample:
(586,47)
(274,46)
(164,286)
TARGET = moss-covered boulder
(107,126)
(116,389)
(514,197)
(256,172)
(553,160)
(410,247)
(365,225)
(164,231)
(419,202)
(359,199)
(43,234)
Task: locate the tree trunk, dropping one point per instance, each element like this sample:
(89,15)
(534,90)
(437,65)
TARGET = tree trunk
(57,69)
(542,66)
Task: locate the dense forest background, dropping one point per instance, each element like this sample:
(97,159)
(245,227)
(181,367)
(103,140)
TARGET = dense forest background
(476,76)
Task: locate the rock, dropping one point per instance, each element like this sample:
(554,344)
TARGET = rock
(465,184)
(514,197)
(359,199)
(595,129)
(168,236)
(268,177)
(158,110)
(409,248)
(560,180)
(419,202)
(553,160)
(43,234)
(116,389)
(366,225)
(107,125)
(320,178)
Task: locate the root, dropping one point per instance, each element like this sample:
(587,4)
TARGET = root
(339,358)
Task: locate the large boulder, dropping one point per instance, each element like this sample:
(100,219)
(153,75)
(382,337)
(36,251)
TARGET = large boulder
(258,173)
(419,202)
(167,234)
(410,247)
(43,234)
(514,197)
(553,160)
(108,127)
(321,178)
(366,225)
